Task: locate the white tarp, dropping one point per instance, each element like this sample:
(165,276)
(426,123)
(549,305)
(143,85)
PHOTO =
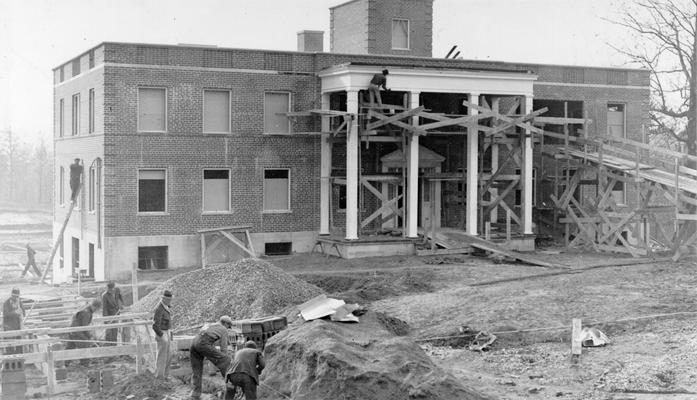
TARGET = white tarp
(322,306)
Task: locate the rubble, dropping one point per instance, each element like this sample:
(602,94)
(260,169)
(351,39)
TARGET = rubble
(246,288)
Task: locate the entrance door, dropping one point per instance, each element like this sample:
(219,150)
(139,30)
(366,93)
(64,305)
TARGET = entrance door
(76,256)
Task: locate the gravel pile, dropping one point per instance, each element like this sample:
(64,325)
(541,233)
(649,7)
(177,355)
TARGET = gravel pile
(246,288)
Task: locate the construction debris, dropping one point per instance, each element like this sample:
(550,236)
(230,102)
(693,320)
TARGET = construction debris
(592,337)
(323,306)
(247,288)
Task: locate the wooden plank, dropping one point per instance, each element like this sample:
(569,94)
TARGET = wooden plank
(410,128)
(96,352)
(687,217)
(235,228)
(494,248)
(203,251)
(576,329)
(455,121)
(238,243)
(50,371)
(443,252)
(249,241)
(393,118)
(560,120)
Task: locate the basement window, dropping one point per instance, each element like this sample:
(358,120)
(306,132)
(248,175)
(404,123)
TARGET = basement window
(216,190)
(152,257)
(278,249)
(152,190)
(276,190)
(400,34)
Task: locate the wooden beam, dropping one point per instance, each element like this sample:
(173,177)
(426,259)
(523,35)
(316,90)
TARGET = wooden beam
(236,228)
(393,118)
(455,121)
(408,127)
(238,243)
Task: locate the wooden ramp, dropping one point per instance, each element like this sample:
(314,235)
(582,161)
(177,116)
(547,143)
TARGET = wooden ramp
(453,239)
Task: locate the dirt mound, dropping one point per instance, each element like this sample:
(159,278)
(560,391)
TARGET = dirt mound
(141,386)
(329,360)
(242,289)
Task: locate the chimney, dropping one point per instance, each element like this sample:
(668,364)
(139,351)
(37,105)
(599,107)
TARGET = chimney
(311,41)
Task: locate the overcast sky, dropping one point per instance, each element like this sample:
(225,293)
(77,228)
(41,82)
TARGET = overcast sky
(38,35)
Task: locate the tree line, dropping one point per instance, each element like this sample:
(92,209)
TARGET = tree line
(26,171)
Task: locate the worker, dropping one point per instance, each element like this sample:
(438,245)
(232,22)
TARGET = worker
(244,371)
(374,87)
(163,336)
(112,303)
(31,262)
(75,179)
(203,346)
(83,339)
(12,316)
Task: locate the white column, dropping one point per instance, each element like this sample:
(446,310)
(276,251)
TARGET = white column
(526,173)
(413,177)
(352,166)
(472,169)
(325,172)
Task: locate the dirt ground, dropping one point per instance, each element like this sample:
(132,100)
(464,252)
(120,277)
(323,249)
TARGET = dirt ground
(529,308)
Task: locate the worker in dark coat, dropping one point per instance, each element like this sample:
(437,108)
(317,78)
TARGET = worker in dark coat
(163,336)
(244,371)
(112,304)
(374,87)
(83,339)
(31,261)
(75,178)
(203,346)
(12,317)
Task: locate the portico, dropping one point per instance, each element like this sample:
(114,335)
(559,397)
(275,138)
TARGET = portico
(408,124)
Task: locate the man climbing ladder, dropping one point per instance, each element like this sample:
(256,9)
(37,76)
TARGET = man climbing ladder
(75,179)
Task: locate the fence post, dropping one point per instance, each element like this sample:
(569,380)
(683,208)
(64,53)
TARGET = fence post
(50,370)
(134,282)
(139,355)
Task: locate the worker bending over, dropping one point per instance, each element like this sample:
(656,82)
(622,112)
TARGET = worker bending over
(244,372)
(12,318)
(83,339)
(203,346)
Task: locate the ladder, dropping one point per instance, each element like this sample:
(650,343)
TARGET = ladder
(59,240)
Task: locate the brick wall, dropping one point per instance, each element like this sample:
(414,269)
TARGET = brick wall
(419,13)
(348,27)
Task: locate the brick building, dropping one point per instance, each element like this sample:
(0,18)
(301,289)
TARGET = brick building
(177,139)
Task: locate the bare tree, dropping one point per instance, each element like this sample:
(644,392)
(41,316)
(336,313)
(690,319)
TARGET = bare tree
(666,45)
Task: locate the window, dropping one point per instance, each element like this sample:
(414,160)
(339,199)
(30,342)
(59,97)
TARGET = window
(61,258)
(152,257)
(93,189)
(152,110)
(76,67)
(400,34)
(276,190)
(276,104)
(216,111)
(619,194)
(152,192)
(76,114)
(519,193)
(91,56)
(61,117)
(278,249)
(216,190)
(91,112)
(62,74)
(615,120)
(61,186)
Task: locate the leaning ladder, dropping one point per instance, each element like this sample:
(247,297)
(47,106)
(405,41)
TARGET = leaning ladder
(58,241)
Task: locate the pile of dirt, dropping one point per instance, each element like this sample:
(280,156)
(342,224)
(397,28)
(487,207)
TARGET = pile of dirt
(330,360)
(246,288)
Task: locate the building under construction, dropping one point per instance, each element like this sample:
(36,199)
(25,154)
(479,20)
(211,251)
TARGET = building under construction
(200,154)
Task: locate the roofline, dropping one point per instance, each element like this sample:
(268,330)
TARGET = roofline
(343,4)
(525,65)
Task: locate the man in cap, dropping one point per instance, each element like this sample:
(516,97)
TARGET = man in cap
(83,339)
(163,336)
(75,179)
(374,87)
(245,370)
(112,304)
(203,346)
(12,316)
